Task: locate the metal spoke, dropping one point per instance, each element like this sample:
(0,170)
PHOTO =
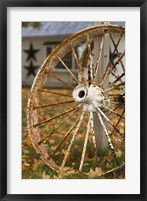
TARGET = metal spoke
(115,48)
(57,127)
(63,82)
(110,89)
(116,75)
(85,56)
(113,170)
(90,70)
(118,61)
(76,59)
(119,119)
(93,136)
(120,57)
(92,128)
(99,57)
(114,87)
(65,137)
(111,84)
(54,117)
(121,95)
(119,39)
(117,103)
(121,84)
(121,63)
(108,137)
(72,141)
(118,99)
(67,68)
(85,145)
(54,104)
(53,92)
(113,110)
(78,64)
(111,123)
(117,114)
(106,73)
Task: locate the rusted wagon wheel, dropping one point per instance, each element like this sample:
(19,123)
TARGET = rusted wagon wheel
(62,129)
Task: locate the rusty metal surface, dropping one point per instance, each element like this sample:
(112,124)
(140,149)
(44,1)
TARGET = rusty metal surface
(46,69)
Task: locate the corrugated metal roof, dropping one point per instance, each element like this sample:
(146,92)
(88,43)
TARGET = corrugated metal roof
(58,28)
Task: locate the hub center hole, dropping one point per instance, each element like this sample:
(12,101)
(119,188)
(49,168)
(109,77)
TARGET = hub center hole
(81,94)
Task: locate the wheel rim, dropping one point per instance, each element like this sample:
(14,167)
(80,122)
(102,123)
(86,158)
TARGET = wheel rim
(77,105)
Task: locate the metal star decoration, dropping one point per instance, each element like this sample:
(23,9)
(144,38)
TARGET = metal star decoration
(31,52)
(31,69)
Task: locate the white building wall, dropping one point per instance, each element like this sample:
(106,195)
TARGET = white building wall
(38,43)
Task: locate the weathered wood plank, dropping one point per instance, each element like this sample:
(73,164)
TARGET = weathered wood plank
(100,137)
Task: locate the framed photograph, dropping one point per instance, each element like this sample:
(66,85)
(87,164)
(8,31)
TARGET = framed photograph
(73,100)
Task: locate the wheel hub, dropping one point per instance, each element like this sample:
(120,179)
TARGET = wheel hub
(90,97)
